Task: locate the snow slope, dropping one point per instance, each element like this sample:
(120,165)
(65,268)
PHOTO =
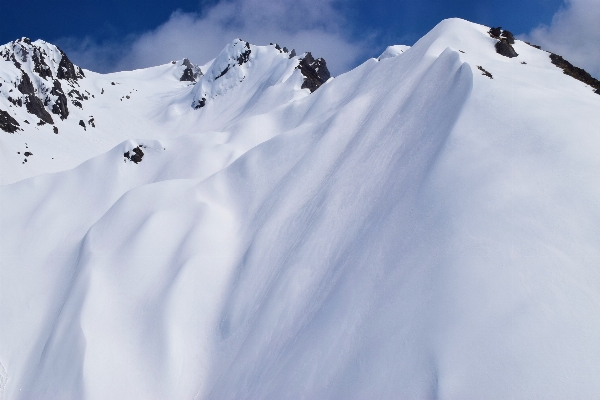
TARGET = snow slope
(151,103)
(412,229)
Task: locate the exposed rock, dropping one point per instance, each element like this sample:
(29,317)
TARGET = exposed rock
(223,72)
(81,123)
(22,49)
(534,45)
(575,72)
(26,86)
(66,69)
(495,32)
(79,96)
(14,60)
(245,56)
(510,38)
(315,72)
(27,154)
(35,106)
(200,104)
(137,155)
(191,72)
(187,76)
(60,105)
(91,122)
(55,129)
(484,72)
(8,123)
(292,53)
(505,40)
(39,64)
(504,48)
(77,103)
(16,102)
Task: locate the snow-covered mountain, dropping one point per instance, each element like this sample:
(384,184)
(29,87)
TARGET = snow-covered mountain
(424,226)
(62,115)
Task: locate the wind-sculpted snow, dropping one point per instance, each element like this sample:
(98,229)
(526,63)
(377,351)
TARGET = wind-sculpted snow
(154,103)
(412,229)
(261,69)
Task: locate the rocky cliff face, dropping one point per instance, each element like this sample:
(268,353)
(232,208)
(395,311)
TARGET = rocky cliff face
(34,77)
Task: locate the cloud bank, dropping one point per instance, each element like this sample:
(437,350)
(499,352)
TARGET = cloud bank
(574,33)
(305,25)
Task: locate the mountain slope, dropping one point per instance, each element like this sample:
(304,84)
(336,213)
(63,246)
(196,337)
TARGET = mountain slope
(413,228)
(101,111)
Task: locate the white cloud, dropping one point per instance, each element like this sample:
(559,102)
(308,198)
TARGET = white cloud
(574,34)
(306,25)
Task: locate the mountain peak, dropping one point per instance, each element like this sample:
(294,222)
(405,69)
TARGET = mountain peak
(240,61)
(424,225)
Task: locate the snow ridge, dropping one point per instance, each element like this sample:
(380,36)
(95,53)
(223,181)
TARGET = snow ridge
(411,228)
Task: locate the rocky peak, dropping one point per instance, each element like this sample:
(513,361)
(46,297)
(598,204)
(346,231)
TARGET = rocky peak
(38,70)
(315,72)
(191,71)
(240,60)
(237,53)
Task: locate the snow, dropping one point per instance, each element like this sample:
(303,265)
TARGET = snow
(393,51)
(411,229)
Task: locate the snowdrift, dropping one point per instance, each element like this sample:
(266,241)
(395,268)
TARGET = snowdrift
(414,228)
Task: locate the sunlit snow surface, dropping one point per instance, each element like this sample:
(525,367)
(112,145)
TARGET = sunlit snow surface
(412,229)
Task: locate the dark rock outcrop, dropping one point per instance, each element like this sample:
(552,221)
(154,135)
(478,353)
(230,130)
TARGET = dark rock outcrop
(60,105)
(534,45)
(35,106)
(200,103)
(8,123)
(39,65)
(137,155)
(245,56)
(495,32)
(575,72)
(510,38)
(315,72)
(82,124)
(504,48)
(505,41)
(484,72)
(26,86)
(223,72)
(66,69)
(190,73)
(17,102)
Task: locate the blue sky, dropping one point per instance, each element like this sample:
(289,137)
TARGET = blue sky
(112,35)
